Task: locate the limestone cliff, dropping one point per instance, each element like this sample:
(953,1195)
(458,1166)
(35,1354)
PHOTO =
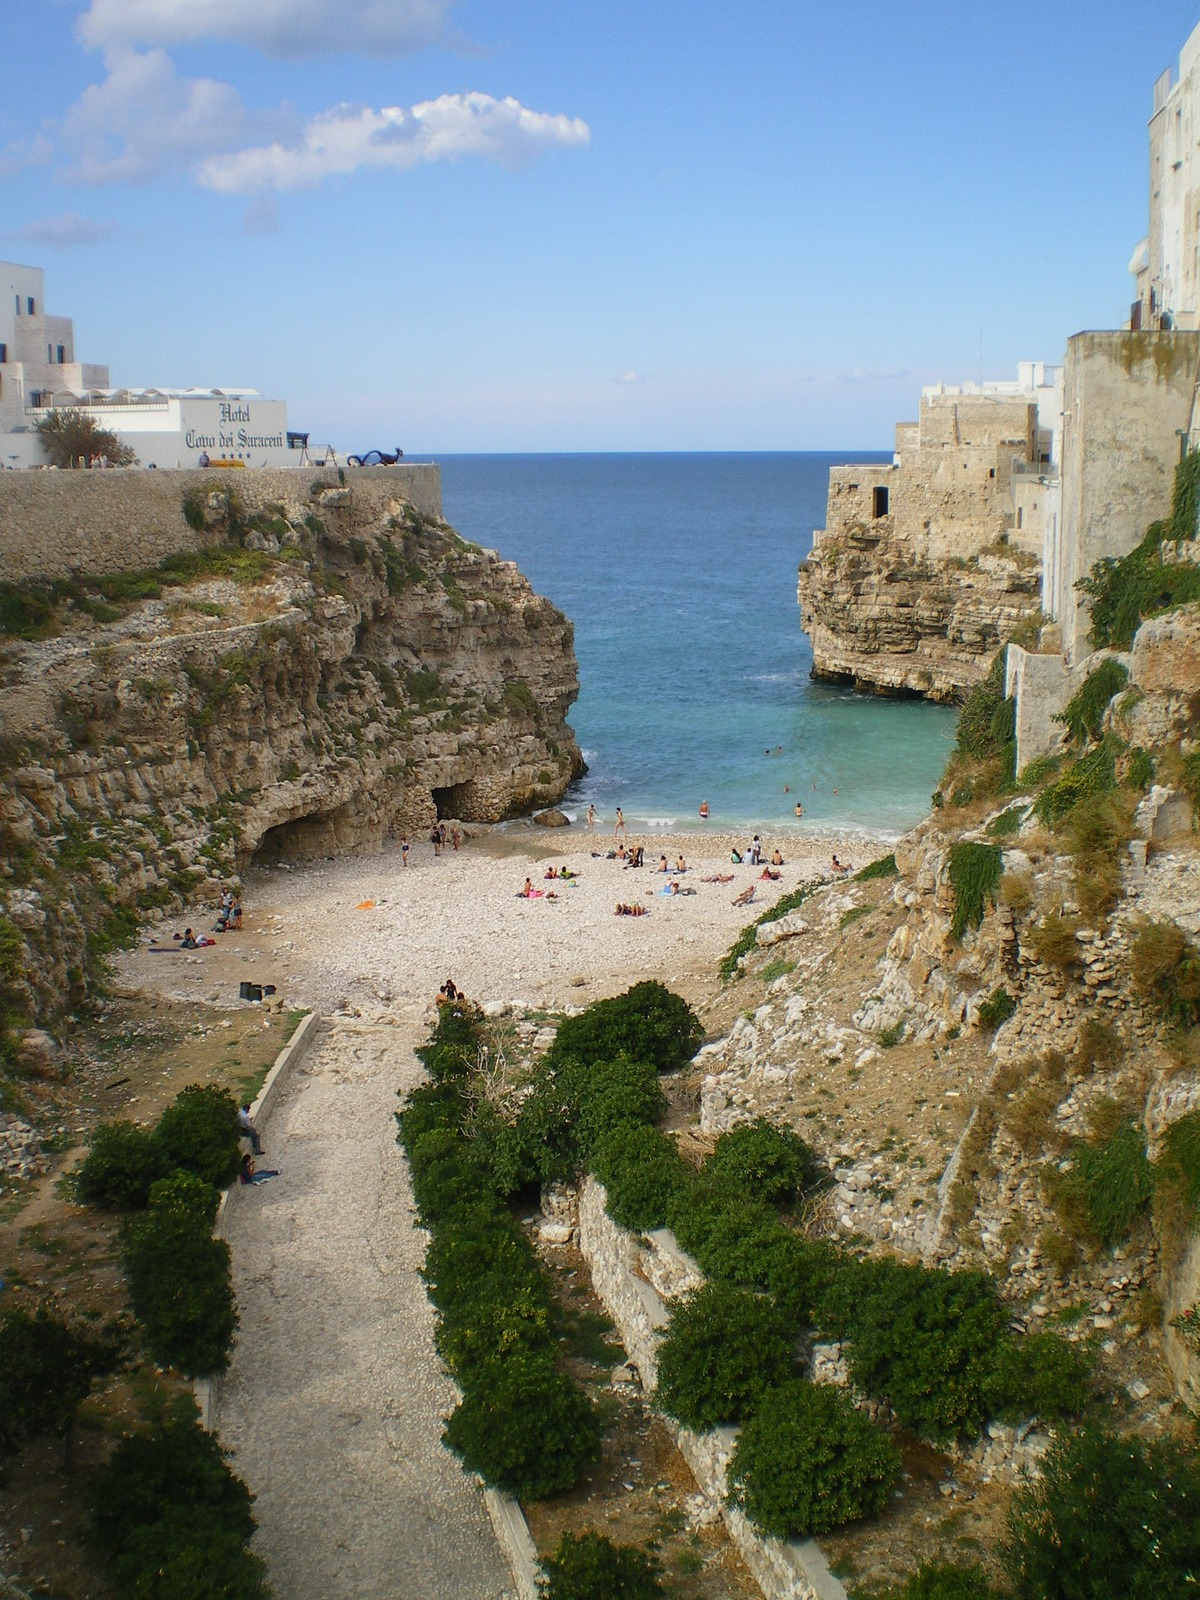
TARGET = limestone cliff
(889,616)
(315,675)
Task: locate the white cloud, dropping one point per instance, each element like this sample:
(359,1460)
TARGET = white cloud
(144,119)
(279,27)
(22,153)
(632,376)
(69,230)
(350,138)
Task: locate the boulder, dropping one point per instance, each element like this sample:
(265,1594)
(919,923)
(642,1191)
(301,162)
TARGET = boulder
(782,928)
(552,819)
(1165,657)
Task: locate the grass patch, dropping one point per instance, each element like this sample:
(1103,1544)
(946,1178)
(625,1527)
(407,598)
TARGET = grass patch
(881,867)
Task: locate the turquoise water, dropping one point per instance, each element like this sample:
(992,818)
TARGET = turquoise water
(679,572)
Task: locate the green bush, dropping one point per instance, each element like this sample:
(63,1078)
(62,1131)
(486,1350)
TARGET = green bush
(199,1132)
(1040,1375)
(881,867)
(945,1580)
(1178,1163)
(1139,768)
(613,1094)
(808,1462)
(575,1103)
(1109,1517)
(974,871)
(1165,968)
(122,1163)
(646,1023)
(1083,714)
(997,1008)
(526,1429)
(509,1323)
(188,1195)
(723,1349)
(642,1173)
(587,1566)
(47,1369)
(475,1257)
(1093,774)
(452,1049)
(431,1106)
(1107,1185)
(985,723)
(172,1518)
(920,1338)
(770,1163)
(1008,822)
(180,1286)
(448,1177)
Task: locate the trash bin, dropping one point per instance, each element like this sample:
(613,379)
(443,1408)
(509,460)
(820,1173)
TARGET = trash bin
(249,991)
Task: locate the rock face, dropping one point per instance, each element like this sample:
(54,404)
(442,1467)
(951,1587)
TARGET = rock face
(888,617)
(342,671)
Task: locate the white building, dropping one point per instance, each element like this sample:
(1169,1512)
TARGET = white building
(1166,263)
(164,427)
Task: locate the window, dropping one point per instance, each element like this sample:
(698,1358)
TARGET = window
(1020,516)
(29,304)
(62,354)
(879,500)
(3,354)
(991,472)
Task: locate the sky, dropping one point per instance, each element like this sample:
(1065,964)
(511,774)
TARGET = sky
(579,226)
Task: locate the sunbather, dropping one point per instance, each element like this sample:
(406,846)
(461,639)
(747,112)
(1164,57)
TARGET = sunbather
(745,897)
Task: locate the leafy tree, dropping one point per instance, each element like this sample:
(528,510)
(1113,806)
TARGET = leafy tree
(526,1429)
(181,1289)
(576,1102)
(646,1023)
(723,1349)
(200,1133)
(770,1163)
(1038,1374)
(47,1369)
(123,1161)
(642,1173)
(1109,1516)
(187,1195)
(587,1566)
(172,1517)
(71,438)
(922,1339)
(808,1461)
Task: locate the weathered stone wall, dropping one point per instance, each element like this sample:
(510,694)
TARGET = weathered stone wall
(56,523)
(1127,395)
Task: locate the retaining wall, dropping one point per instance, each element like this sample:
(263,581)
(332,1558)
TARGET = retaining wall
(795,1570)
(120,520)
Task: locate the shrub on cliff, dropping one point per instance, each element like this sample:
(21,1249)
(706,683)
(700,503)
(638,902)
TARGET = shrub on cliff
(723,1350)
(920,1338)
(200,1133)
(770,1163)
(587,1566)
(120,1166)
(646,1023)
(181,1289)
(527,1428)
(1107,1185)
(1109,1516)
(808,1462)
(1166,971)
(1038,1375)
(985,723)
(974,871)
(1083,714)
(172,1518)
(642,1174)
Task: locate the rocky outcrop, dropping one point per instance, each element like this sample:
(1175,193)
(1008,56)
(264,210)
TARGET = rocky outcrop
(886,617)
(341,671)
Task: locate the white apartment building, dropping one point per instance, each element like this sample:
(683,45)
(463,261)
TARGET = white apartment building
(1166,263)
(165,427)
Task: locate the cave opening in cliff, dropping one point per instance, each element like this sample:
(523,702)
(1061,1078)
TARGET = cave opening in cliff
(457,802)
(299,839)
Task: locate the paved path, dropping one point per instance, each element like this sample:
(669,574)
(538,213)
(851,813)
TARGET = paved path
(334,1402)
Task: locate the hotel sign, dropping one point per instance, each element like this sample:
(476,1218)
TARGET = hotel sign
(234,427)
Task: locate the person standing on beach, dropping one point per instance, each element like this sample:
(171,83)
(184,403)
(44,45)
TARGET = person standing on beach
(404,849)
(619,825)
(704,811)
(591,818)
(455,836)
(435,840)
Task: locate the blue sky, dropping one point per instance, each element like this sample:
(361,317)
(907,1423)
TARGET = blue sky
(617,226)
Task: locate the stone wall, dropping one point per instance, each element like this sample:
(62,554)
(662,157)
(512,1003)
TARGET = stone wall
(622,1274)
(1127,397)
(56,523)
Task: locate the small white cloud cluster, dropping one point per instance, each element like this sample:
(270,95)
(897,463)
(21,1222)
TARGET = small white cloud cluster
(350,138)
(68,230)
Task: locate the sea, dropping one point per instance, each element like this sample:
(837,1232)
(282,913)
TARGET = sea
(679,573)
